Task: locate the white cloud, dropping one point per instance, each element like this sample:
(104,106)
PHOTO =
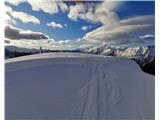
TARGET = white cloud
(63,41)
(15,2)
(102,13)
(8,19)
(15,33)
(7,9)
(119,33)
(47,43)
(130,28)
(122,31)
(24,17)
(84,28)
(54,25)
(89,16)
(75,10)
(147,19)
(63,7)
(105,12)
(47,6)
(82,11)
(147,37)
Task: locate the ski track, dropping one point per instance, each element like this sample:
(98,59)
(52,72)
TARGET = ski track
(97,99)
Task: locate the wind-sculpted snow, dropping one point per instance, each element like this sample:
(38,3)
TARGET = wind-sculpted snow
(73,86)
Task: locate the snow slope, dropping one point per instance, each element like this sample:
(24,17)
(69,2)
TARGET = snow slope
(144,55)
(72,86)
(141,54)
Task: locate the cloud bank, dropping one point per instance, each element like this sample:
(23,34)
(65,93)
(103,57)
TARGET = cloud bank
(14,33)
(8,19)
(22,16)
(124,30)
(112,27)
(47,6)
(96,13)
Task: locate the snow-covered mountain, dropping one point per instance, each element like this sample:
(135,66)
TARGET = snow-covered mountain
(76,86)
(135,52)
(143,55)
(140,53)
(13,51)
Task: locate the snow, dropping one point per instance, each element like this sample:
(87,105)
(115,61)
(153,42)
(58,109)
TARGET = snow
(141,54)
(73,86)
(21,50)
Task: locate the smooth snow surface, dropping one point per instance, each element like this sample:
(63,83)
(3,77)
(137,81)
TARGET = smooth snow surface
(65,86)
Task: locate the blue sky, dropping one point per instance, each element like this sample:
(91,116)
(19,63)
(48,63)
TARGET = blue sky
(73,31)
(77,20)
